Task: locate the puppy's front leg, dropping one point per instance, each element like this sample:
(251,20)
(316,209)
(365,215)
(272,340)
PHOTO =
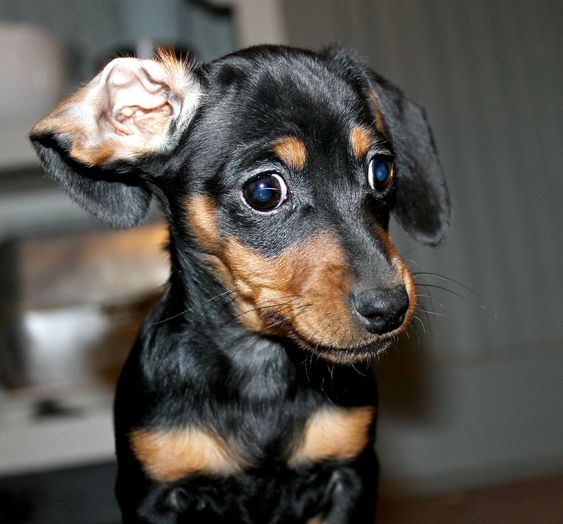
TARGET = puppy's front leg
(352,494)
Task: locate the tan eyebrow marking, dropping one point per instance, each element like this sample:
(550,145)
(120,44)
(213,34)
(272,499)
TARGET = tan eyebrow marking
(378,116)
(170,455)
(361,139)
(291,151)
(333,433)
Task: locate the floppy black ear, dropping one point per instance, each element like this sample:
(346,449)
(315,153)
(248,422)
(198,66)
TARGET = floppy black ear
(118,199)
(423,204)
(94,142)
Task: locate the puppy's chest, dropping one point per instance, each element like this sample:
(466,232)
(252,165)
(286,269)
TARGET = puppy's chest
(262,416)
(256,438)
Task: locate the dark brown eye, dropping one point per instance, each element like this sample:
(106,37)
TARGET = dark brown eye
(265,192)
(380,172)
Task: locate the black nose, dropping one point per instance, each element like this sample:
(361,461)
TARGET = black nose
(381,310)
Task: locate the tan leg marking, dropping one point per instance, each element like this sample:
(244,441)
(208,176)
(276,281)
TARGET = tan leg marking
(170,455)
(333,433)
(291,151)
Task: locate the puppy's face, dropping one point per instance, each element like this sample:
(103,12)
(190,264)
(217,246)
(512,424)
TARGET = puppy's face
(291,186)
(286,166)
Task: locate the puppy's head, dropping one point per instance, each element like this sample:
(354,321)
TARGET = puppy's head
(281,166)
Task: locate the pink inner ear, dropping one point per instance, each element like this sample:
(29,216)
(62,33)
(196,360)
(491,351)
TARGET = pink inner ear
(137,98)
(126,110)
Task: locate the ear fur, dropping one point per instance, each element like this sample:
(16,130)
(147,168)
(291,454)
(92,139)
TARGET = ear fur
(92,143)
(423,205)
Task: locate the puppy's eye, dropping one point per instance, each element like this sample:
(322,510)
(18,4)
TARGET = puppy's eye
(265,192)
(380,172)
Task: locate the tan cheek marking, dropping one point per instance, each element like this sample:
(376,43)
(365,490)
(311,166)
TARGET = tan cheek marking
(202,222)
(307,285)
(232,262)
(408,279)
(321,275)
(291,151)
(316,520)
(361,139)
(333,433)
(403,273)
(171,455)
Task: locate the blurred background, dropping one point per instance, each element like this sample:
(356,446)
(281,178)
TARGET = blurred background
(471,418)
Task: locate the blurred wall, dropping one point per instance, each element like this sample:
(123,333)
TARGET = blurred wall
(91,29)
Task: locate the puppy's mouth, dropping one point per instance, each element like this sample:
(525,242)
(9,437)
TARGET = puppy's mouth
(352,355)
(362,347)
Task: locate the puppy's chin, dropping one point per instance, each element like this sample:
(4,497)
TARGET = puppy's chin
(347,356)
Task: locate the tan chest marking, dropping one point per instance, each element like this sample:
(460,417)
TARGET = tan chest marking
(333,433)
(170,455)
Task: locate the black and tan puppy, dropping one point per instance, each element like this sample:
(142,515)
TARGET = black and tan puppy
(277,170)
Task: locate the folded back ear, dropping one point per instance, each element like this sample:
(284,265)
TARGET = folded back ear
(423,205)
(93,142)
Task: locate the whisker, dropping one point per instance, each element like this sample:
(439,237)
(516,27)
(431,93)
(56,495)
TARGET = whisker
(421,323)
(308,360)
(192,308)
(282,321)
(447,279)
(412,329)
(228,292)
(460,295)
(331,371)
(404,255)
(431,312)
(266,305)
(358,371)
(172,317)
(430,297)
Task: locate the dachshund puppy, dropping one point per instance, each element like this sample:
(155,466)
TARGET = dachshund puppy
(277,170)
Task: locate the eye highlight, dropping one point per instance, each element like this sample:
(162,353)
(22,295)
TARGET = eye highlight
(380,172)
(265,192)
